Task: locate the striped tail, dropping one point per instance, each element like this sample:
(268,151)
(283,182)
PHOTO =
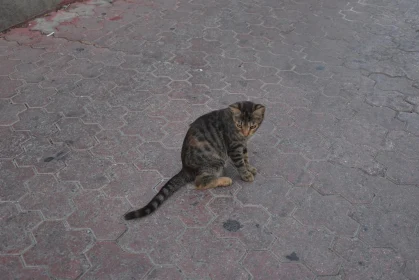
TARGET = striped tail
(177,181)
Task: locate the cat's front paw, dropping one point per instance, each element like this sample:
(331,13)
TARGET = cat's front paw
(252,169)
(247,176)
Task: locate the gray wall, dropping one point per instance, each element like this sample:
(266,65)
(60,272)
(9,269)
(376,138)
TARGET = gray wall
(13,12)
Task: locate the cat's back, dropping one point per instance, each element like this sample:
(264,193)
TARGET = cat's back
(213,118)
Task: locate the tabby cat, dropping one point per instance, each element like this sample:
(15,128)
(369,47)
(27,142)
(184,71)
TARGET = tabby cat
(210,140)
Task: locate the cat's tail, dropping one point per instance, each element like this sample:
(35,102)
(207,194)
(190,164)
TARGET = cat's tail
(175,183)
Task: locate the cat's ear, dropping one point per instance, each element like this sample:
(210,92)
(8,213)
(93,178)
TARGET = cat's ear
(235,108)
(259,111)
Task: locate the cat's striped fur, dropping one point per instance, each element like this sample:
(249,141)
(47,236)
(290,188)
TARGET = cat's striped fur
(209,142)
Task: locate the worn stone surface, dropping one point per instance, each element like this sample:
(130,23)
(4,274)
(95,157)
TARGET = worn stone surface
(92,119)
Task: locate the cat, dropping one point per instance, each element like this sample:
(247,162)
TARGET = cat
(209,142)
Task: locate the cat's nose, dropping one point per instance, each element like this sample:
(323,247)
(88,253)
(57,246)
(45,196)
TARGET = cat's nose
(246,132)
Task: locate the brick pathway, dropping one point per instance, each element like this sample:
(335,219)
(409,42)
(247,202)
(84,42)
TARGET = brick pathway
(92,119)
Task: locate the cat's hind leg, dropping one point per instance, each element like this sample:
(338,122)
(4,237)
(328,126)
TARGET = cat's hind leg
(209,179)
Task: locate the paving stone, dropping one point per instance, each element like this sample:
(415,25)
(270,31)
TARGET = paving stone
(391,99)
(268,193)
(412,269)
(245,223)
(189,206)
(363,133)
(133,99)
(165,272)
(222,99)
(153,152)
(287,166)
(99,213)
(336,105)
(350,183)
(356,156)
(362,261)
(12,180)
(127,181)
(12,267)
(309,245)
(149,128)
(76,133)
(386,83)
(88,170)
(387,229)
(238,85)
(64,102)
(59,80)
(110,262)
(106,116)
(403,142)
(263,265)
(172,70)
(34,96)
(174,110)
(227,66)
(399,169)
(341,86)
(294,97)
(10,142)
(119,76)
(45,156)
(150,234)
(294,79)
(220,256)
(49,196)
(194,94)
(85,68)
(330,211)
(122,149)
(412,120)
(265,74)
(310,143)
(195,60)
(378,115)
(15,234)
(9,112)
(176,134)
(280,62)
(216,34)
(249,41)
(60,249)
(213,80)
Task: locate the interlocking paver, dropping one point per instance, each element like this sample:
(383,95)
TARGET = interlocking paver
(88,170)
(101,214)
(245,223)
(60,249)
(330,211)
(110,262)
(10,142)
(12,267)
(362,261)
(93,118)
(149,235)
(127,181)
(273,197)
(12,180)
(219,255)
(15,234)
(52,198)
(309,245)
(263,265)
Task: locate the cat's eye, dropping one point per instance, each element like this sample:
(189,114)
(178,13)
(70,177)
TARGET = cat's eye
(253,126)
(239,125)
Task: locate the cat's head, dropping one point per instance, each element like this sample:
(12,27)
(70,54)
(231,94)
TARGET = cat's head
(247,116)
